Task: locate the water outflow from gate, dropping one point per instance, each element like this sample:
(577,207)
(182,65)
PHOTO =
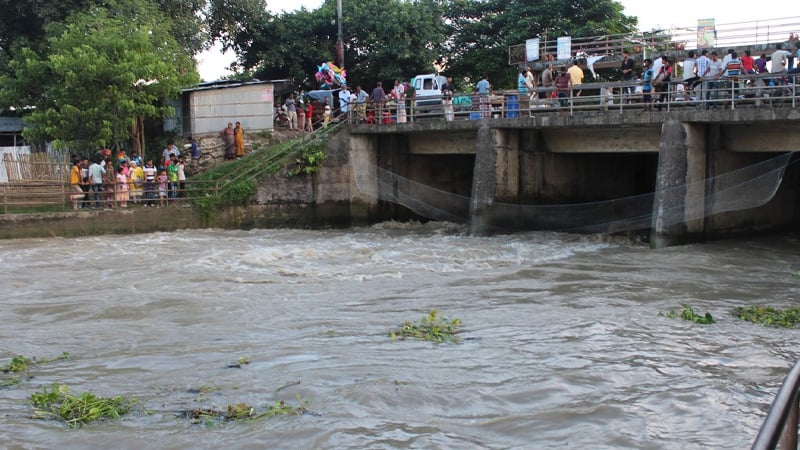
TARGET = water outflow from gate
(562,342)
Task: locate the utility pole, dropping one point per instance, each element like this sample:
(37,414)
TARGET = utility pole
(339,41)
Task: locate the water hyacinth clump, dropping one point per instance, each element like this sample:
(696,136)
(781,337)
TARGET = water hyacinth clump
(689,315)
(767,315)
(431,328)
(243,411)
(77,410)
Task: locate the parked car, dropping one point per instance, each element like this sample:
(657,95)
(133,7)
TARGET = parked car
(428,89)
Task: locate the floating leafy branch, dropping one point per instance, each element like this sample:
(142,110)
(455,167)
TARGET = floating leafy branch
(688,314)
(17,369)
(77,410)
(430,328)
(767,315)
(21,363)
(243,411)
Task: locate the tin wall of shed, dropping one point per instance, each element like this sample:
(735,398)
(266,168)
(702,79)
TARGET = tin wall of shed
(211,110)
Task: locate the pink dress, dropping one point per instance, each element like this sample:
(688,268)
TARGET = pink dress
(121,194)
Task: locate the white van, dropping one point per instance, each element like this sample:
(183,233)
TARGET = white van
(428,89)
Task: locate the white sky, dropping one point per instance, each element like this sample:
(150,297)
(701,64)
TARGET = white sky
(652,15)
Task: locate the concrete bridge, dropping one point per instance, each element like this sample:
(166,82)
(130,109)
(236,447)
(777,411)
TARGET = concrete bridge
(680,175)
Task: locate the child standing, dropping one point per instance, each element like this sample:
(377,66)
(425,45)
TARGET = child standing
(121,194)
(162,188)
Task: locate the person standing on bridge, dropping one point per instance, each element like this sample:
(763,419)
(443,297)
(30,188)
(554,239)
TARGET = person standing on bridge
(448,88)
(548,81)
(484,90)
(647,87)
(563,84)
(576,74)
(626,70)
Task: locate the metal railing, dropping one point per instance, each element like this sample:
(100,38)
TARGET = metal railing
(749,33)
(780,426)
(770,90)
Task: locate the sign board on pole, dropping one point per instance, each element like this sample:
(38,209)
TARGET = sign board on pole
(706,33)
(564,47)
(532,49)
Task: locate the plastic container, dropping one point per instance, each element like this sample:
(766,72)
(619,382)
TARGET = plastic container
(512,106)
(474,115)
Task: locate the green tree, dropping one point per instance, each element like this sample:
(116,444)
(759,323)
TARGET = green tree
(104,71)
(483,30)
(383,40)
(194,24)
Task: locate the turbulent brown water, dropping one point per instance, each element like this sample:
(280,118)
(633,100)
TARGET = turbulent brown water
(562,342)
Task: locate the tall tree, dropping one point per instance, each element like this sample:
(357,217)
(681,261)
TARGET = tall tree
(104,71)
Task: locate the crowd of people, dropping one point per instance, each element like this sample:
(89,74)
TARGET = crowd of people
(107,182)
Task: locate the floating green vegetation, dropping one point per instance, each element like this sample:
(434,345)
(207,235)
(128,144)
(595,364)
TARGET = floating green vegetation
(241,362)
(430,328)
(77,410)
(21,363)
(767,315)
(243,411)
(688,314)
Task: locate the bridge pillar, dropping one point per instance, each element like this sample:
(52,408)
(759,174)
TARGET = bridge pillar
(678,204)
(496,177)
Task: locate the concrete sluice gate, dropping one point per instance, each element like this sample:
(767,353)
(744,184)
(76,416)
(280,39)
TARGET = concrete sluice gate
(674,182)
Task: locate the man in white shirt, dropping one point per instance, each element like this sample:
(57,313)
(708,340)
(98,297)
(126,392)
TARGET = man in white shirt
(779,59)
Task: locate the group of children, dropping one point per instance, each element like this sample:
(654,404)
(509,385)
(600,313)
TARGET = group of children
(100,184)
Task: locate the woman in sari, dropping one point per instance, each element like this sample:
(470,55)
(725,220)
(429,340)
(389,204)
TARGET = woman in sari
(228,138)
(238,134)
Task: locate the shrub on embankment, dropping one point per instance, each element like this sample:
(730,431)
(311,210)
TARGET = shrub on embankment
(234,183)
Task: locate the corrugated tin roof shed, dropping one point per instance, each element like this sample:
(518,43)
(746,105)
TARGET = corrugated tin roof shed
(11,125)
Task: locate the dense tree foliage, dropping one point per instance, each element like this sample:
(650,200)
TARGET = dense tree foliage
(384,39)
(103,71)
(194,24)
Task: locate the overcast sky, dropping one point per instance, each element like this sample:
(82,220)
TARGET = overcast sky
(674,13)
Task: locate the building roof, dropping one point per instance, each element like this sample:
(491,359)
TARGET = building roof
(225,84)
(11,124)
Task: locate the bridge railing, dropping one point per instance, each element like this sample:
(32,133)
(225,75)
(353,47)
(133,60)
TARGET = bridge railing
(780,426)
(762,90)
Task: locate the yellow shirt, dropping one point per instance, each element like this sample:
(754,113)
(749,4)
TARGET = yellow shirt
(576,74)
(75,174)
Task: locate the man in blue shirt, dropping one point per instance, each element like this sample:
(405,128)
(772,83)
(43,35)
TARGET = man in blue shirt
(484,87)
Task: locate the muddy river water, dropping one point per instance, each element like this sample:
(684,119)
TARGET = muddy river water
(561,344)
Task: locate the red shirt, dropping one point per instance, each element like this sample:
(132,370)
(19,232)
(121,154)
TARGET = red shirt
(747,63)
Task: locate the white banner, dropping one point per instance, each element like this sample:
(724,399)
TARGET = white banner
(564,47)
(532,49)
